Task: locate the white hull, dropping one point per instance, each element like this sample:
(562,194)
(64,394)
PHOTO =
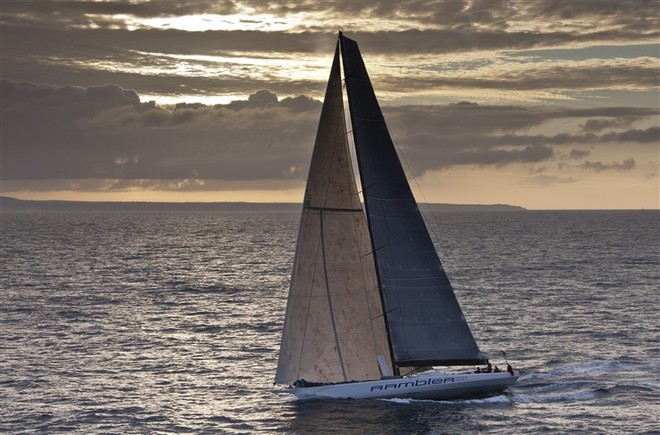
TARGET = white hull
(433,385)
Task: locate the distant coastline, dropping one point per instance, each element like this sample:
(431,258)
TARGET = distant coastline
(13,204)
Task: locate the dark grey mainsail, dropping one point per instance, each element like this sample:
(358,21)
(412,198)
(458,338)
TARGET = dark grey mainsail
(426,324)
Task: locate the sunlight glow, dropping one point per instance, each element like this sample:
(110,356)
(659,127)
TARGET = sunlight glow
(167,101)
(213,22)
(273,65)
(405,79)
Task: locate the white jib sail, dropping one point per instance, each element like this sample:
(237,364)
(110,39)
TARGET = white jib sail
(334,328)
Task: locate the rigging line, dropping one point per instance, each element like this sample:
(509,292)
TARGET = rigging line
(364,191)
(376,250)
(387,312)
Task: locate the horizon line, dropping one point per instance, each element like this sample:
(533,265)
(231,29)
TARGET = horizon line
(289,203)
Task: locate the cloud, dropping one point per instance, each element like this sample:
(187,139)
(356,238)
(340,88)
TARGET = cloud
(52,103)
(528,154)
(105,136)
(578,154)
(503,14)
(89,43)
(651,135)
(107,133)
(626,165)
(543,180)
(481,119)
(599,124)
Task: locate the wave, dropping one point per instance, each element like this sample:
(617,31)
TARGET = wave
(595,368)
(559,396)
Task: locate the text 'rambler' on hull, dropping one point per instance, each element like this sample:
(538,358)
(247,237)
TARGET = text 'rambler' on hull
(370,305)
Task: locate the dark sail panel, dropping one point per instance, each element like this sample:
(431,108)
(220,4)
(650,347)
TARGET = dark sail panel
(426,324)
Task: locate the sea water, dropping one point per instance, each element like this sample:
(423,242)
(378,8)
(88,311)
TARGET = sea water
(127,322)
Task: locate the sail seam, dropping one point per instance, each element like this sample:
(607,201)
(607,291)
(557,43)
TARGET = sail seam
(327,289)
(347,210)
(309,301)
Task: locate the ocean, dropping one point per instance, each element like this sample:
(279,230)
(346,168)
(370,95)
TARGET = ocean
(169,322)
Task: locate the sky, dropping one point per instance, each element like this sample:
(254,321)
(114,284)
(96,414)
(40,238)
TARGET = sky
(537,103)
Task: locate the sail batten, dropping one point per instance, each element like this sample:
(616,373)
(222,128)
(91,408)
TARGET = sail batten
(425,322)
(346,210)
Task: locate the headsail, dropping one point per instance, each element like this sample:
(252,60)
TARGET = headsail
(334,328)
(426,324)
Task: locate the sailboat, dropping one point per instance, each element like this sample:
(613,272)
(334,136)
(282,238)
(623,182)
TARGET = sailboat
(370,309)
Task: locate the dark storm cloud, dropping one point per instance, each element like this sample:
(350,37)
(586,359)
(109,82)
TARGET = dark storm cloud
(105,133)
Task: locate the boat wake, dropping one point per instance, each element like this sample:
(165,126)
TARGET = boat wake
(589,380)
(499,399)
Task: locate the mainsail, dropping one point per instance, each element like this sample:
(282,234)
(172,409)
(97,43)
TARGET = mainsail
(426,324)
(334,328)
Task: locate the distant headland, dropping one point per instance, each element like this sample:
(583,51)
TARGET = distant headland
(13,204)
